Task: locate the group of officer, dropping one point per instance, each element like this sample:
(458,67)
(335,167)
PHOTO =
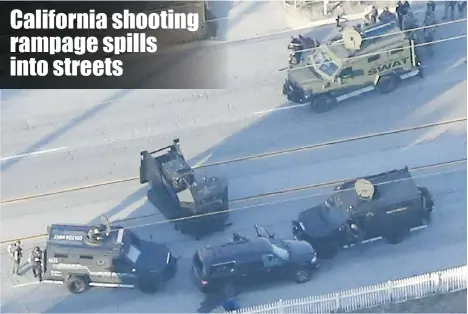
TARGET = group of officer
(35,259)
(298,45)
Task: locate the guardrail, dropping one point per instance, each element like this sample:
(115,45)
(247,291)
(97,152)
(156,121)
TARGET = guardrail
(401,290)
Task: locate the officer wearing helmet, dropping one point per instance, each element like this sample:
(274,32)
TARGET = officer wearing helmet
(16,253)
(35,259)
(386,16)
(296,45)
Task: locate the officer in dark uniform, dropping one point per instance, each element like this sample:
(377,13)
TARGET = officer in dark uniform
(449,6)
(431,6)
(16,253)
(401,11)
(35,259)
(461,8)
(296,45)
(386,16)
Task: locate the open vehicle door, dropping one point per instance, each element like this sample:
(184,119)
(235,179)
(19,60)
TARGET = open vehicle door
(262,233)
(144,155)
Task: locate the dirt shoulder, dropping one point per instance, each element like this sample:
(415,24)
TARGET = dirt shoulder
(446,303)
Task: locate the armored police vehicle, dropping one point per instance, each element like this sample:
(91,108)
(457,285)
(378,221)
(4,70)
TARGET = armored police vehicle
(357,61)
(199,203)
(82,256)
(242,262)
(387,205)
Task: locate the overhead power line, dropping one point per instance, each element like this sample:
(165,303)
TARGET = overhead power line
(391,34)
(287,191)
(389,50)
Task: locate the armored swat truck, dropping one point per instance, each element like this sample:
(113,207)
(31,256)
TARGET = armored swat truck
(199,203)
(82,256)
(357,61)
(387,205)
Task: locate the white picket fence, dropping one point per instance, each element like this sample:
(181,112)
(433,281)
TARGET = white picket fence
(450,280)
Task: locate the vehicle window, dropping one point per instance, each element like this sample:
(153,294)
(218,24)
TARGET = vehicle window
(223,268)
(133,253)
(251,267)
(349,72)
(373,58)
(346,72)
(325,63)
(61,255)
(334,216)
(270,260)
(358,72)
(396,51)
(86,257)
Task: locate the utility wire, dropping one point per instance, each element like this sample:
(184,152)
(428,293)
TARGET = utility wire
(338,182)
(340,41)
(321,185)
(379,52)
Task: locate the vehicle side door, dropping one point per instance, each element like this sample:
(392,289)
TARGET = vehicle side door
(351,81)
(123,272)
(252,271)
(274,266)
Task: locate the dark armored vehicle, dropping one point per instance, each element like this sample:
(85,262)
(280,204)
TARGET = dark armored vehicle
(199,203)
(81,256)
(230,266)
(388,205)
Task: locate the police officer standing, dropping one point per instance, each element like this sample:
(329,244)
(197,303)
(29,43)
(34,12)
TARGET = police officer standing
(36,260)
(431,6)
(449,6)
(386,16)
(16,253)
(401,11)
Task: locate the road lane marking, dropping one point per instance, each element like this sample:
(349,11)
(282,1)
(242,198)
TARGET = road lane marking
(251,157)
(26,284)
(41,152)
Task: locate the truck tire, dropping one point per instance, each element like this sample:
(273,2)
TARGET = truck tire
(150,284)
(396,237)
(323,103)
(77,284)
(387,84)
(331,251)
(302,275)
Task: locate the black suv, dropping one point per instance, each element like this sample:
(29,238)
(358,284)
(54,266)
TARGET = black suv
(244,261)
(387,205)
(81,256)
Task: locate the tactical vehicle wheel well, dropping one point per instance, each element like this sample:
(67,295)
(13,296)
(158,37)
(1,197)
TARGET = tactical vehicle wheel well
(77,283)
(323,103)
(387,83)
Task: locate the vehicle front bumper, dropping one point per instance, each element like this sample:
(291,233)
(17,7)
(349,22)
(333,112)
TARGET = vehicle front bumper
(294,93)
(171,268)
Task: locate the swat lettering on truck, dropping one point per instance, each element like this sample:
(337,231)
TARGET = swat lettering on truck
(388,66)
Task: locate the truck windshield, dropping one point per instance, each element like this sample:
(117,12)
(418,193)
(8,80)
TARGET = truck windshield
(133,253)
(334,215)
(324,63)
(132,246)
